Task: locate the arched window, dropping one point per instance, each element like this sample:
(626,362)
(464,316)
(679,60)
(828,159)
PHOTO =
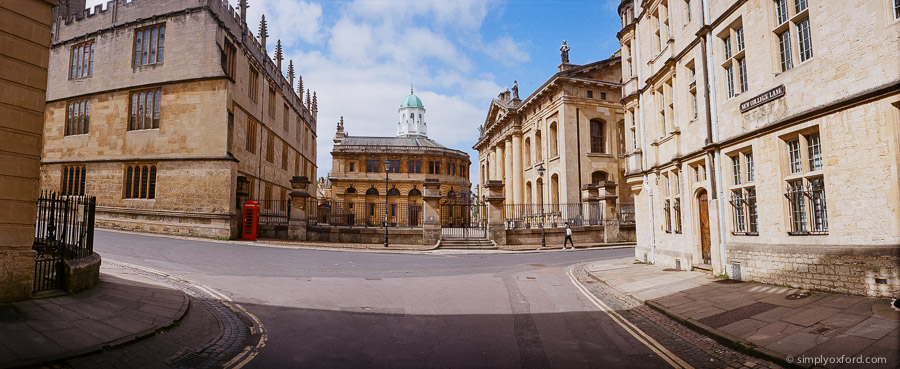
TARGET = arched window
(393,192)
(553,139)
(540,193)
(420,116)
(372,191)
(414,192)
(528,194)
(599,176)
(350,190)
(538,147)
(528,151)
(412,115)
(554,188)
(598,138)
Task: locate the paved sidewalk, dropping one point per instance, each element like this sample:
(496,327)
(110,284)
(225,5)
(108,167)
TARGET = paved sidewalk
(782,324)
(124,306)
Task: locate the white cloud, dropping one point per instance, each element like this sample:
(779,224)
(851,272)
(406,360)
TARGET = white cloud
(506,50)
(287,20)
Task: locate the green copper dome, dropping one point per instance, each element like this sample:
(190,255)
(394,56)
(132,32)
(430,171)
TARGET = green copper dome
(411,101)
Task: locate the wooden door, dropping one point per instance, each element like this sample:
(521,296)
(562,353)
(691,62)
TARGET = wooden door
(703,203)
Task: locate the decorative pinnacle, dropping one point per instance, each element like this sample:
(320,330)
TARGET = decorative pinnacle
(291,71)
(263,31)
(300,87)
(242,4)
(279,54)
(308,99)
(315,103)
(410,89)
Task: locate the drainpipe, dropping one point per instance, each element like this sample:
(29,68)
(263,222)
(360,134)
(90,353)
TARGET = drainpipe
(712,114)
(578,145)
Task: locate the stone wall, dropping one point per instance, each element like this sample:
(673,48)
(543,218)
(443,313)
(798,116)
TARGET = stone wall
(25,34)
(364,235)
(850,269)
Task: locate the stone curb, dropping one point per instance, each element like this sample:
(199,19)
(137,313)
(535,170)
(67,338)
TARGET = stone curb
(111,344)
(401,250)
(725,338)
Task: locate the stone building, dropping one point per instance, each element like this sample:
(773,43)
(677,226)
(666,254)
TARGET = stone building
(571,125)
(23,82)
(358,165)
(767,138)
(167,110)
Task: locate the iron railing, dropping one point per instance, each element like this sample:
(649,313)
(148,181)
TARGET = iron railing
(274,212)
(525,216)
(365,214)
(626,213)
(463,220)
(63,230)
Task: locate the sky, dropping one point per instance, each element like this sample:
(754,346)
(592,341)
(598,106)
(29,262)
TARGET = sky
(362,56)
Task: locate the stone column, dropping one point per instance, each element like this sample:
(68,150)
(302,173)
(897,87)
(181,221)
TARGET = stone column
(299,213)
(608,196)
(431,229)
(517,172)
(508,169)
(500,162)
(495,228)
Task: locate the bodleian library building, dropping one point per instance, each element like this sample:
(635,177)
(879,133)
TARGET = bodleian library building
(765,140)
(171,113)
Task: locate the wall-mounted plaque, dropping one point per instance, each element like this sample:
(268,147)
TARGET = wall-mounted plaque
(762,98)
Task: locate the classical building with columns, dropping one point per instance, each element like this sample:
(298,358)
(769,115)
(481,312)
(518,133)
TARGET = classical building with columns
(360,164)
(572,126)
(767,139)
(171,113)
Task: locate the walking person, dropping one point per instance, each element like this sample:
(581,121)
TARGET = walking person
(568,237)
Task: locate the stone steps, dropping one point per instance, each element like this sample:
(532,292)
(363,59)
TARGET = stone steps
(467,244)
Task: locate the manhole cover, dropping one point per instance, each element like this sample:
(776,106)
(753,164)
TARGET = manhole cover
(797,295)
(530,278)
(822,330)
(9,314)
(537,265)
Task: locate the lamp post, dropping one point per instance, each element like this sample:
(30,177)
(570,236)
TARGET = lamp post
(387,169)
(541,171)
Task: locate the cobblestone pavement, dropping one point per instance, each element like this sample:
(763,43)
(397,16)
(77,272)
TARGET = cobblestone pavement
(214,333)
(696,349)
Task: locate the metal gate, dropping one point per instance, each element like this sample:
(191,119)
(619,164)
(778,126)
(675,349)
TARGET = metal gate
(64,230)
(463,220)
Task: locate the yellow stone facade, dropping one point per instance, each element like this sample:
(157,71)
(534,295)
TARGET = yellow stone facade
(228,120)
(571,125)
(774,126)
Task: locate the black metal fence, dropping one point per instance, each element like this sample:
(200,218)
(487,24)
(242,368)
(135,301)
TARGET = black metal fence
(365,214)
(463,220)
(275,212)
(64,230)
(525,216)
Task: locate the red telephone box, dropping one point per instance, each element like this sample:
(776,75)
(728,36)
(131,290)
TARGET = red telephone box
(251,219)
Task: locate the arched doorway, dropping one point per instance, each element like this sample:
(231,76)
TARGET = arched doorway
(703,210)
(599,176)
(414,207)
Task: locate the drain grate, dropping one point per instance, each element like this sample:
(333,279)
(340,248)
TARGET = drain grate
(9,314)
(798,295)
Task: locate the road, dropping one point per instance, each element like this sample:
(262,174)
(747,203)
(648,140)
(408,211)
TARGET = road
(340,309)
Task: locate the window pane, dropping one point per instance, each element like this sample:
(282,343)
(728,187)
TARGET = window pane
(798,206)
(804,40)
(140,115)
(148,111)
(138,36)
(748,158)
(740,38)
(800,5)
(144,46)
(156,109)
(729,80)
(78,60)
(727,41)
(162,44)
(134,111)
(73,63)
(751,209)
(736,167)
(77,117)
(815,151)
(87,116)
(784,42)
(737,202)
(742,64)
(151,193)
(91,64)
(781,10)
(128,174)
(794,155)
(69,119)
(144,177)
(86,58)
(820,214)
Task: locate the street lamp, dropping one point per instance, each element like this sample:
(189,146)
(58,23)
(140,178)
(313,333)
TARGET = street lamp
(541,171)
(387,169)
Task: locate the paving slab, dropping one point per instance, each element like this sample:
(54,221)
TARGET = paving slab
(873,328)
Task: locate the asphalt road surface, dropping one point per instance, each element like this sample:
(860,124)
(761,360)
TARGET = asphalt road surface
(340,309)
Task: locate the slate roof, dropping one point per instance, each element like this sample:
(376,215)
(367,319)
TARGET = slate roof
(390,141)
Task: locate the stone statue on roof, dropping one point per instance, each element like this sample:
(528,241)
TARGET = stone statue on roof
(515,90)
(564,52)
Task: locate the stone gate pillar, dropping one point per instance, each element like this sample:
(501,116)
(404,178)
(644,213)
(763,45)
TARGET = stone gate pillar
(590,194)
(431,227)
(299,201)
(495,228)
(608,196)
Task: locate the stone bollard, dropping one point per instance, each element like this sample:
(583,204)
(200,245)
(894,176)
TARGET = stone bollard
(431,228)
(299,200)
(496,228)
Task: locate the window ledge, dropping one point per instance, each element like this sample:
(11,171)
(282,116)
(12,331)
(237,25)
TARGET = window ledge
(600,155)
(745,233)
(808,233)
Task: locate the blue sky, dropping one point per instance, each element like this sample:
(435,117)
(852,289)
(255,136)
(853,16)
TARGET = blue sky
(361,57)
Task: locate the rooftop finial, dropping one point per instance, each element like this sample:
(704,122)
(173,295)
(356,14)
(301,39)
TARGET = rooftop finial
(300,87)
(242,4)
(263,32)
(308,100)
(291,71)
(410,89)
(279,55)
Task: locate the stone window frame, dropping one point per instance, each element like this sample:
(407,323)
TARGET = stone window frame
(272,96)
(597,136)
(659,19)
(284,155)
(270,146)
(804,189)
(665,106)
(734,63)
(78,117)
(671,192)
(896,9)
(296,163)
(286,120)
(73,180)
(81,63)
(252,129)
(139,181)
(373,166)
(229,58)
(744,206)
(141,100)
(691,70)
(267,196)
(149,45)
(253,83)
(792,27)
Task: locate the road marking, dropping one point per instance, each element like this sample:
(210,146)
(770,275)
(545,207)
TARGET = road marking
(636,332)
